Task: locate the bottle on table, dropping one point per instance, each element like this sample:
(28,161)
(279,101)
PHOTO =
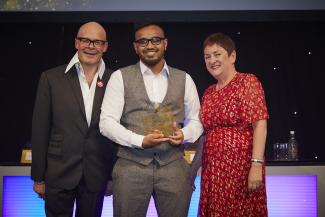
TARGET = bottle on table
(292,147)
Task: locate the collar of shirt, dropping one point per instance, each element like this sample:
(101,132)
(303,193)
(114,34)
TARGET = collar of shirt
(145,69)
(75,62)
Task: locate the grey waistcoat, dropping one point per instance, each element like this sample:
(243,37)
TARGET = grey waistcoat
(139,114)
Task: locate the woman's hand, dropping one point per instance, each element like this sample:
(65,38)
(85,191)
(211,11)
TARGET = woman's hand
(255,177)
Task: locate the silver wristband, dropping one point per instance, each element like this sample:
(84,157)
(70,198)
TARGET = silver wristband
(254,160)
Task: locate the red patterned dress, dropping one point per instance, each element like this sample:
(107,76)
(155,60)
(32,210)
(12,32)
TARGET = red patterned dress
(227,116)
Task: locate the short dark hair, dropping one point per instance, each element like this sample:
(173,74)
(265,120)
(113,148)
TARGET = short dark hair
(222,40)
(139,25)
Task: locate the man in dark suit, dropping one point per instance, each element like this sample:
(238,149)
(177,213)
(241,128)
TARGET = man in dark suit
(72,161)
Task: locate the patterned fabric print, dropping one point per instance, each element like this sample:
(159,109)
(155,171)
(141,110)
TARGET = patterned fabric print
(227,116)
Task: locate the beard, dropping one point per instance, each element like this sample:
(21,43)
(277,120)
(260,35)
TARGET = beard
(152,61)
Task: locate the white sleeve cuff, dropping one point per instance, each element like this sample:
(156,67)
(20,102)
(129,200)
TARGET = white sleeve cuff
(185,133)
(136,140)
(192,134)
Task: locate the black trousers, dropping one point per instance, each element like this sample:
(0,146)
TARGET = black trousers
(60,202)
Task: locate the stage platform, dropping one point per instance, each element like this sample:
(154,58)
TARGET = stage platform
(293,190)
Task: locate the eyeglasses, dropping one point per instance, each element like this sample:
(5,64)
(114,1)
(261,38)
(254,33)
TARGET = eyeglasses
(143,42)
(88,42)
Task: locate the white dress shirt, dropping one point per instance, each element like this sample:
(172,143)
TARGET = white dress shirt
(88,93)
(156,86)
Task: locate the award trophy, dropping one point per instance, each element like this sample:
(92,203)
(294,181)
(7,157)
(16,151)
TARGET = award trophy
(162,119)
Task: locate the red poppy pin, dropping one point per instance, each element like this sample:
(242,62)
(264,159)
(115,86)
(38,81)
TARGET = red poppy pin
(100,83)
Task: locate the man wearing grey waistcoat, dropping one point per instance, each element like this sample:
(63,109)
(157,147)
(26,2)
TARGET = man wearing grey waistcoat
(151,110)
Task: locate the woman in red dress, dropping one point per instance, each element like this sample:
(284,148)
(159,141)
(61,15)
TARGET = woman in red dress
(234,117)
